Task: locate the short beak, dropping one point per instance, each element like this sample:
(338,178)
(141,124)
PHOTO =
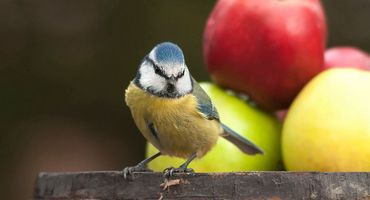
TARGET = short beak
(172,80)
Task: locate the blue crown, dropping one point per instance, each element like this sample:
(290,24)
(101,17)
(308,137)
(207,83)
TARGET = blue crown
(168,52)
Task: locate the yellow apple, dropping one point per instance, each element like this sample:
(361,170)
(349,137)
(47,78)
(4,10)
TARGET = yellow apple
(327,128)
(261,128)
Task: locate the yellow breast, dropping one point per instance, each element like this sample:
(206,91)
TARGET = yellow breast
(182,129)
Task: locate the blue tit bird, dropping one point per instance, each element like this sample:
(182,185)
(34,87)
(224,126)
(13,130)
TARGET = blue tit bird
(173,112)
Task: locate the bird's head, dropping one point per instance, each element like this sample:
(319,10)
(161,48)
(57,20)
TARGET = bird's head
(163,72)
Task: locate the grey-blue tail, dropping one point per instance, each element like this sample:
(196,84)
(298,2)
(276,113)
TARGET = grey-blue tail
(242,143)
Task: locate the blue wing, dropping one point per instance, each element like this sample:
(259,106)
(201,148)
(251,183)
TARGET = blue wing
(205,105)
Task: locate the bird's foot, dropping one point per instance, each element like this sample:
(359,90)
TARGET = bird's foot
(128,171)
(170,171)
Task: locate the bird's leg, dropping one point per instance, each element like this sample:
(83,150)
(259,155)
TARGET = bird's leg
(140,167)
(184,166)
(182,169)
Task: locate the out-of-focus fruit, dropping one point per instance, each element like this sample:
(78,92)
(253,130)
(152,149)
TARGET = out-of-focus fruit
(268,49)
(281,114)
(259,127)
(328,125)
(347,57)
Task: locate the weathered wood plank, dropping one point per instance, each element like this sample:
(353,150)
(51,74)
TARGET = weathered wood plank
(248,185)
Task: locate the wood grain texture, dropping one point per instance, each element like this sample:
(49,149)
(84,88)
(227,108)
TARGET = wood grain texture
(249,185)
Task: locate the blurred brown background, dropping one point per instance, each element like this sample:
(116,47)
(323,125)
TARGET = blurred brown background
(65,64)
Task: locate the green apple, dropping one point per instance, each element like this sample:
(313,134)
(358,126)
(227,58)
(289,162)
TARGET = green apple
(261,128)
(327,128)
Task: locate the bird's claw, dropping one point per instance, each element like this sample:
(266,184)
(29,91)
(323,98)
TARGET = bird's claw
(128,171)
(170,171)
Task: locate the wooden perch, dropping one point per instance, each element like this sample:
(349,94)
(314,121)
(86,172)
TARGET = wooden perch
(248,185)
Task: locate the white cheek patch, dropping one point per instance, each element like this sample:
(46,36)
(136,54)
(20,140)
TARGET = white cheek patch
(183,84)
(150,79)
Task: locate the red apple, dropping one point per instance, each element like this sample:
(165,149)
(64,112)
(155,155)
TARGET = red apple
(346,57)
(268,49)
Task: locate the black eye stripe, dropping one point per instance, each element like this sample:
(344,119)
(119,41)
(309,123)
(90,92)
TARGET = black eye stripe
(181,74)
(160,72)
(157,69)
